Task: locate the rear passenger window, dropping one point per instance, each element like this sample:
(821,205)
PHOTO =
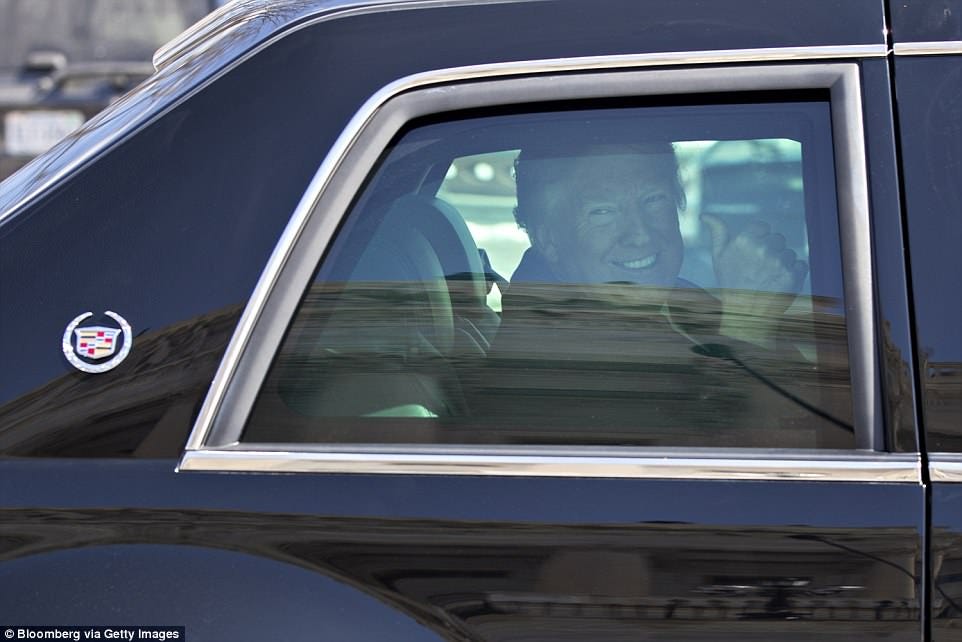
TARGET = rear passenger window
(631,275)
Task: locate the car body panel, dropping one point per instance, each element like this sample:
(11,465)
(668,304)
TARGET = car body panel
(281,67)
(917,21)
(498,558)
(946,593)
(89,483)
(929,96)
(893,309)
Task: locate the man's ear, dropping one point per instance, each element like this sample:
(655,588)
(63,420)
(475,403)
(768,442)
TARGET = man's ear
(545,243)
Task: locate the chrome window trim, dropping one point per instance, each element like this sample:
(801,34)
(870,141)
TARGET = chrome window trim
(213,444)
(934,48)
(945,467)
(851,173)
(678,464)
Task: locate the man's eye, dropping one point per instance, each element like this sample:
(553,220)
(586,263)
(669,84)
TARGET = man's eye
(657,199)
(601,215)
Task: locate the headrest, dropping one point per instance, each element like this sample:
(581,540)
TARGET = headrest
(444,228)
(395,299)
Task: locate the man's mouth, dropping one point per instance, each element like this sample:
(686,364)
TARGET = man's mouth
(640,263)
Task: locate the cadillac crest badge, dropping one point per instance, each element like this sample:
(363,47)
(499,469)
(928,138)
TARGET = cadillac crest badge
(86,347)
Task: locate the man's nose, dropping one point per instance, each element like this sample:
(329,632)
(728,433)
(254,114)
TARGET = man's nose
(636,228)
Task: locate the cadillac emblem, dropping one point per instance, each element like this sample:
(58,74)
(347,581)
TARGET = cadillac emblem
(86,347)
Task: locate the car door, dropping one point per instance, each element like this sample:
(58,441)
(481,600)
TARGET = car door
(354,367)
(371,455)
(927,88)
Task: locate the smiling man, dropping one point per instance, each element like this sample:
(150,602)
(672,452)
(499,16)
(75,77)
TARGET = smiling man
(605,213)
(611,338)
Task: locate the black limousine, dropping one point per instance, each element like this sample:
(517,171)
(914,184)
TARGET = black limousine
(496,320)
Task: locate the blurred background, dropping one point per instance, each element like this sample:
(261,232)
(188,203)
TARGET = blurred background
(62,61)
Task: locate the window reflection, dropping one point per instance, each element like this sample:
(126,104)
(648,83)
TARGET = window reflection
(593,278)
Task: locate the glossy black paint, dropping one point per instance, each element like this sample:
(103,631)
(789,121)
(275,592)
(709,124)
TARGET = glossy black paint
(557,28)
(470,558)
(946,562)
(891,291)
(103,541)
(929,93)
(926,20)
(209,186)
(929,98)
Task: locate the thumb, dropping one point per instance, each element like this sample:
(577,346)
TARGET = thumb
(718,231)
(799,272)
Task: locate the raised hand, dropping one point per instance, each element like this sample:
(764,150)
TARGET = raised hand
(758,276)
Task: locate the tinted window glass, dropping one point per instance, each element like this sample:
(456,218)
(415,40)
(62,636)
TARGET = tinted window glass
(617,276)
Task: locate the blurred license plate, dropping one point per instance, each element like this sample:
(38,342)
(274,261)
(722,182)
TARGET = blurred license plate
(28,133)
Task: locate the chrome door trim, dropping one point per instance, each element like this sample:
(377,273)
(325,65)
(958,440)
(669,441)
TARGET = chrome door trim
(628,463)
(934,48)
(946,467)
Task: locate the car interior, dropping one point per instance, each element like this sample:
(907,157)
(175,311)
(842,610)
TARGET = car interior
(397,339)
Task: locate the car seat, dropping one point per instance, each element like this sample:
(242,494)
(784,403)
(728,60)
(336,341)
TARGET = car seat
(444,228)
(379,336)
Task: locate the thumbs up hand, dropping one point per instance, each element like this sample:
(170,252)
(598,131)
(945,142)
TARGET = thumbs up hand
(758,276)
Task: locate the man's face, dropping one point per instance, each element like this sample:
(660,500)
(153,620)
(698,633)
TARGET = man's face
(612,217)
